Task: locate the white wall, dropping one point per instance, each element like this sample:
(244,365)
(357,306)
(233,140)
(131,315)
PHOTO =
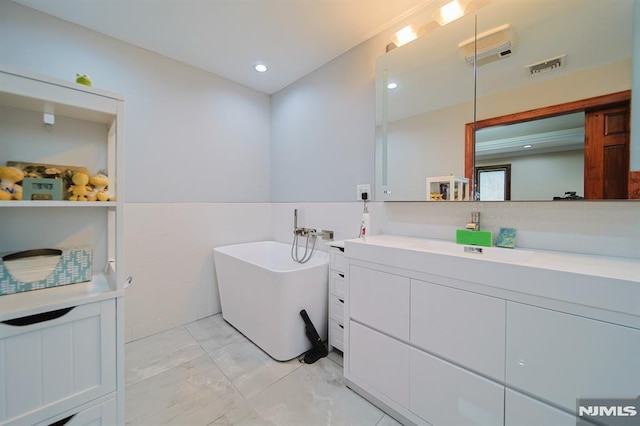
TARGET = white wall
(543,176)
(197,162)
(323,144)
(320,149)
(190,136)
(169,249)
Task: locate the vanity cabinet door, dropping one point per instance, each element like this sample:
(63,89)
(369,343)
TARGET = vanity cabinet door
(379,361)
(380,300)
(464,327)
(444,394)
(521,410)
(560,357)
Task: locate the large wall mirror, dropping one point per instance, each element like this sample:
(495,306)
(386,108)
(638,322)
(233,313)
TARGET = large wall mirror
(532,105)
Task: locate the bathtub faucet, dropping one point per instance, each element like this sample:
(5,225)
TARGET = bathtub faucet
(309,232)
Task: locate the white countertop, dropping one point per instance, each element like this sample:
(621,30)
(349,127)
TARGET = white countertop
(627,269)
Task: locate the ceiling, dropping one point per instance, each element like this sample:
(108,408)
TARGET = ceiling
(228,37)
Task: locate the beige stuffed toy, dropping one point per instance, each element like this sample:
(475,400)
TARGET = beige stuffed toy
(80,190)
(9,188)
(99,183)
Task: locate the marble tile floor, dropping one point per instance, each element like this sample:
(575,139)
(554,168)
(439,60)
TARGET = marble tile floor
(207,373)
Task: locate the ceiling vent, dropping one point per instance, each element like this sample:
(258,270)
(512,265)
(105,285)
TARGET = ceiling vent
(547,65)
(492,45)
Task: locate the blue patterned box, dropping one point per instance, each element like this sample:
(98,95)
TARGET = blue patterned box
(44,268)
(506,238)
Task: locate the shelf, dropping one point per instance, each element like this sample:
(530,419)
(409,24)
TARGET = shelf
(38,93)
(72,204)
(48,299)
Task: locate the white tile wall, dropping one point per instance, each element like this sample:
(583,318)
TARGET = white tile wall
(169,253)
(169,246)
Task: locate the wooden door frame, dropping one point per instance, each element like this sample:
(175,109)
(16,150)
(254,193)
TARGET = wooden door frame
(604,101)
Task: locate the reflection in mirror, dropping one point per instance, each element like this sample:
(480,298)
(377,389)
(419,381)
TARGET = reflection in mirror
(428,110)
(569,151)
(546,157)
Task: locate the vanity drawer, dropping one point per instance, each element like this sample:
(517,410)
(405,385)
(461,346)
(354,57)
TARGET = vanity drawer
(337,260)
(463,327)
(380,361)
(337,284)
(55,362)
(104,413)
(336,333)
(336,308)
(444,394)
(560,357)
(380,300)
(521,410)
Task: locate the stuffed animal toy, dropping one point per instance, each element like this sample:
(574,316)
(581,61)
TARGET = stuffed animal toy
(83,79)
(99,183)
(79,190)
(9,188)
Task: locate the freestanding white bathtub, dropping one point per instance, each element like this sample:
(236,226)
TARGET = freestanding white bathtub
(262,291)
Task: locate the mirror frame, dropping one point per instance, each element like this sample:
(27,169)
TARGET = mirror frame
(602,101)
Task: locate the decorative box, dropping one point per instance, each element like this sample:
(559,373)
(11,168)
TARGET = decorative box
(41,189)
(44,268)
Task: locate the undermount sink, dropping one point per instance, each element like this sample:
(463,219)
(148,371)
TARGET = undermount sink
(495,254)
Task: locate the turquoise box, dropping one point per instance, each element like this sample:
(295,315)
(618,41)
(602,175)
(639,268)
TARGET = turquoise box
(41,189)
(44,268)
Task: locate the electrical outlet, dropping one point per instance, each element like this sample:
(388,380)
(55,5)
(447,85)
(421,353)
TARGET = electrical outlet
(363,188)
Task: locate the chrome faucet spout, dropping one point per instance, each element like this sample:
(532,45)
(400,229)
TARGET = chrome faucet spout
(474,225)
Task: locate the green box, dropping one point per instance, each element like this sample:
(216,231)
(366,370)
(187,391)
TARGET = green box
(42,189)
(473,238)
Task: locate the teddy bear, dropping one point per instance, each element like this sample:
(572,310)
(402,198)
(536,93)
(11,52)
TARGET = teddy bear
(80,190)
(99,182)
(9,187)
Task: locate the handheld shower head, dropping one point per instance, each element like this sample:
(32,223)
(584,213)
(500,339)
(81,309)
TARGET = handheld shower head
(295,219)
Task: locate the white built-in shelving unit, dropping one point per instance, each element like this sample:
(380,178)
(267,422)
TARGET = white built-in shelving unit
(66,362)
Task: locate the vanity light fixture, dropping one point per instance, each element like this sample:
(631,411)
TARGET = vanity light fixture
(450,12)
(260,67)
(392,86)
(405,35)
(434,18)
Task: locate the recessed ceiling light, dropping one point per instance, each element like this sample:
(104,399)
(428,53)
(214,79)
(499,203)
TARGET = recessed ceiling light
(260,67)
(392,86)
(527,146)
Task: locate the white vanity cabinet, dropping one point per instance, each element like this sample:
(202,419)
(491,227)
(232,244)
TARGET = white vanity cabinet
(337,295)
(558,356)
(471,346)
(461,326)
(396,322)
(62,347)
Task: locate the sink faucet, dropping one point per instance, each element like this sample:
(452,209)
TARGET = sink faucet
(474,225)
